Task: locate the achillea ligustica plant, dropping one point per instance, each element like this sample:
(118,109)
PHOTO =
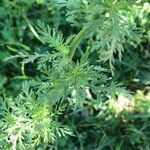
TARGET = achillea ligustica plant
(64,83)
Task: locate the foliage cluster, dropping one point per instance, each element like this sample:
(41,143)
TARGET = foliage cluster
(74,74)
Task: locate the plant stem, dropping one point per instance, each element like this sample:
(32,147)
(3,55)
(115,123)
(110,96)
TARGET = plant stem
(22,69)
(78,38)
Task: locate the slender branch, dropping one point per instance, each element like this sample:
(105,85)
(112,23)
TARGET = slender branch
(78,38)
(22,69)
(15,44)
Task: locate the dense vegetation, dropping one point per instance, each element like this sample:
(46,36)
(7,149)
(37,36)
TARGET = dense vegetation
(75,74)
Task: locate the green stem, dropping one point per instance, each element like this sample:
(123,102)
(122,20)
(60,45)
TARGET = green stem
(22,69)
(31,28)
(78,38)
(16,44)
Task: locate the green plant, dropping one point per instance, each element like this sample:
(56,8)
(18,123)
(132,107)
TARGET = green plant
(15,37)
(75,79)
(27,124)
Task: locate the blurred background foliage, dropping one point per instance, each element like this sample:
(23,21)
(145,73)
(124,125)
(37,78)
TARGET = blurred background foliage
(134,67)
(113,124)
